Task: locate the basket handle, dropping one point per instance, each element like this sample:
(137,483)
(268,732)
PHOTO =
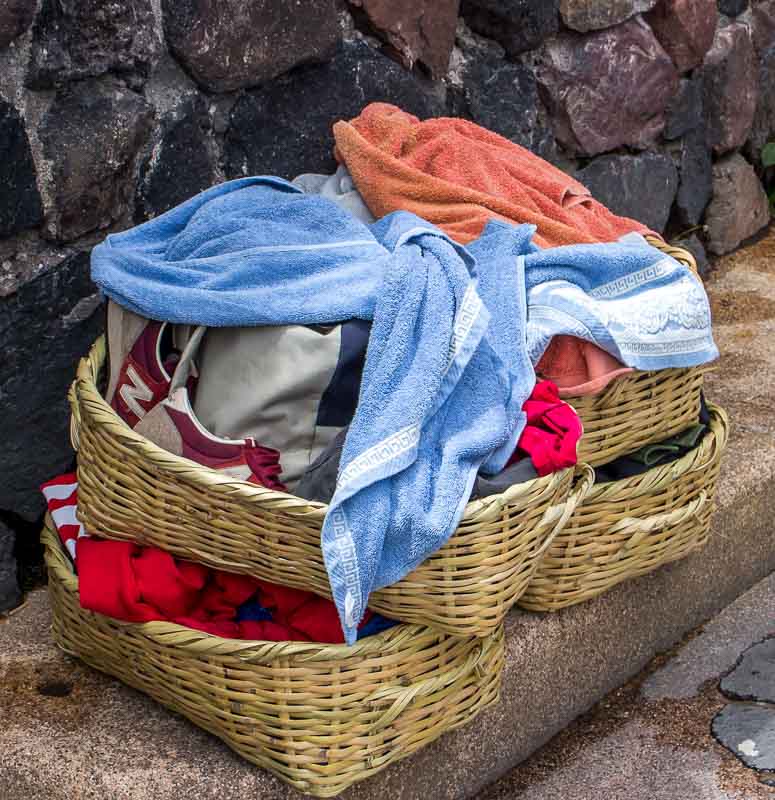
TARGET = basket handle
(718,444)
(88,368)
(403,696)
(640,528)
(679,253)
(564,511)
(75,416)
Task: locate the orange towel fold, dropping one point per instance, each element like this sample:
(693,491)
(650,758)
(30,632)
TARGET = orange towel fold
(458,176)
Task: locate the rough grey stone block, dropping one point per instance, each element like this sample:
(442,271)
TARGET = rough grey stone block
(641,187)
(46,325)
(92,173)
(233,44)
(285,128)
(518,25)
(20,205)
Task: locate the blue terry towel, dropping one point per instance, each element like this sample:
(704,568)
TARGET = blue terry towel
(440,396)
(637,303)
(253,251)
(447,368)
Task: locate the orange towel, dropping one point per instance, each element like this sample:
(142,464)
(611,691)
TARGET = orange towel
(458,175)
(577,367)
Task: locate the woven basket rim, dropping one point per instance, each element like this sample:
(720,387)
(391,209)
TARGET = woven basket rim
(700,457)
(84,391)
(603,398)
(251,650)
(676,251)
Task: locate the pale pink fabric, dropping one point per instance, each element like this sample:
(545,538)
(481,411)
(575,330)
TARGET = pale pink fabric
(579,368)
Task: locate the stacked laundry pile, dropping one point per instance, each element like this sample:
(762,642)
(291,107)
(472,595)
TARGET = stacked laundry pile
(393,340)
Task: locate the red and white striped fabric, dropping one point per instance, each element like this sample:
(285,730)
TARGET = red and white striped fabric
(62,500)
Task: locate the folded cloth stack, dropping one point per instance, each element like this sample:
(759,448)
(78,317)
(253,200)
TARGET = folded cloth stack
(459,314)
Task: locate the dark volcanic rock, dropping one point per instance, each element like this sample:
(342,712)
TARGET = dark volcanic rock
(75,39)
(590,15)
(684,113)
(739,207)
(285,128)
(685,29)
(502,96)
(10,595)
(92,173)
(732,8)
(518,25)
(181,165)
(754,677)
(748,731)
(15,18)
(763,15)
(608,88)
(697,249)
(418,30)
(763,127)
(730,74)
(45,327)
(641,187)
(233,44)
(696,178)
(19,199)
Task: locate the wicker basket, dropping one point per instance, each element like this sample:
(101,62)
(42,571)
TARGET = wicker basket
(630,527)
(642,407)
(636,410)
(131,489)
(319,716)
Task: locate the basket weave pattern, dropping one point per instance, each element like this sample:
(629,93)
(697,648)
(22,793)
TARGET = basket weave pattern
(319,716)
(627,528)
(130,489)
(637,409)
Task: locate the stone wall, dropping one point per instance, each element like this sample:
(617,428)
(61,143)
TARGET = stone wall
(112,112)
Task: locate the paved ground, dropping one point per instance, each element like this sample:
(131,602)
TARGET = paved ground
(651,739)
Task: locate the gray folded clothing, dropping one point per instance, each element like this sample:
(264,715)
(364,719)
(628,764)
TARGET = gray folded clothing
(319,481)
(338,187)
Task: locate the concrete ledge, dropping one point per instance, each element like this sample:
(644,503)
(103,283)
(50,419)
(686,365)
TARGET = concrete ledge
(100,740)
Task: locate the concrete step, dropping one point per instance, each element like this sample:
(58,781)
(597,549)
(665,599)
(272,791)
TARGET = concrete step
(652,738)
(69,732)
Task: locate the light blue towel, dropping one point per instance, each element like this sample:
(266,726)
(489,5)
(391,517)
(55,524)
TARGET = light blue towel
(448,366)
(253,251)
(440,395)
(638,304)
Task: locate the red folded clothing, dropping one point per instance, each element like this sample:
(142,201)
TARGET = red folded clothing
(141,584)
(552,432)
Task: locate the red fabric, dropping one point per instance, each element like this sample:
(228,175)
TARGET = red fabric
(308,616)
(141,584)
(107,581)
(62,500)
(552,431)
